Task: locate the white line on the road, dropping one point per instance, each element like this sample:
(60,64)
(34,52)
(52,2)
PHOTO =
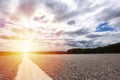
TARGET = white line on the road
(28,70)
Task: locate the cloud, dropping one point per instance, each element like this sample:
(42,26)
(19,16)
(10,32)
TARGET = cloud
(79,44)
(83,44)
(93,35)
(27,7)
(78,32)
(104,38)
(109,13)
(63,24)
(56,7)
(2,22)
(4,37)
(72,22)
(4,5)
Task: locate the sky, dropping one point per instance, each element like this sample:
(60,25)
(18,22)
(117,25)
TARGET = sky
(54,25)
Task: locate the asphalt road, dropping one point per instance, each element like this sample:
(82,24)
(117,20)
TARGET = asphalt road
(67,67)
(80,67)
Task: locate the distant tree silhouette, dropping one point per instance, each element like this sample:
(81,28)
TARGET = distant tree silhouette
(114,48)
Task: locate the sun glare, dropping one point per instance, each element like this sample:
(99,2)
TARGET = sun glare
(25,47)
(25,54)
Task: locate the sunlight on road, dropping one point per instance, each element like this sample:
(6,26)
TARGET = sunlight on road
(28,70)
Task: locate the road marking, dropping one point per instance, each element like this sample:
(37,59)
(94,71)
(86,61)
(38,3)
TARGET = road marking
(28,70)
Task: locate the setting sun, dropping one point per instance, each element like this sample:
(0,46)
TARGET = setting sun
(25,54)
(25,46)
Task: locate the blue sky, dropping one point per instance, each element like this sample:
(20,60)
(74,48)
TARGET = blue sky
(58,24)
(103,27)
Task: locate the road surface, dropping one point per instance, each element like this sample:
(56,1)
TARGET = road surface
(64,67)
(30,71)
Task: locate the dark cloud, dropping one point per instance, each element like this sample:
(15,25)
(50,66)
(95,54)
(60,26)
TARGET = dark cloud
(56,7)
(78,32)
(66,16)
(94,35)
(72,22)
(97,35)
(93,43)
(67,12)
(105,35)
(81,43)
(103,39)
(59,33)
(62,11)
(73,44)
(108,13)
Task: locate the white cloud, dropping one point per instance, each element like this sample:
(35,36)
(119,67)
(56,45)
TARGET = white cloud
(61,23)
